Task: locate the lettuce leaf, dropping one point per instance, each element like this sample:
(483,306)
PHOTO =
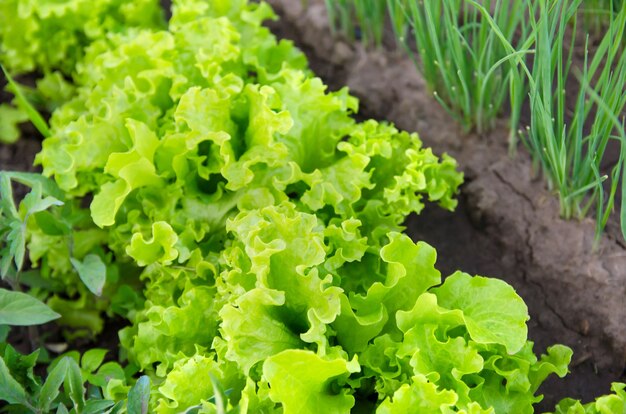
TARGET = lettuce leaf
(305,383)
(492,311)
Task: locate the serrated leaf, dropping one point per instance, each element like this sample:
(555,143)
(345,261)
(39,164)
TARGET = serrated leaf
(5,262)
(16,237)
(139,396)
(48,185)
(74,385)
(92,272)
(17,246)
(50,389)
(10,390)
(6,196)
(40,204)
(22,366)
(20,309)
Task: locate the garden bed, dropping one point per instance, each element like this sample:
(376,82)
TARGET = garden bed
(507,224)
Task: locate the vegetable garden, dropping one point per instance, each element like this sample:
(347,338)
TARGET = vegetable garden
(191,221)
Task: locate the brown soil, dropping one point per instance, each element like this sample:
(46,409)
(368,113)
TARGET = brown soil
(507,224)
(19,156)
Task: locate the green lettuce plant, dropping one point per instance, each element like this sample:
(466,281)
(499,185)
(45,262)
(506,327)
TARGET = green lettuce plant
(596,14)
(48,35)
(47,39)
(363,18)
(459,47)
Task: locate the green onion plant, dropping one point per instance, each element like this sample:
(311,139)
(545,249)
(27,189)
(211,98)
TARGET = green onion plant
(460,47)
(366,17)
(569,145)
(596,14)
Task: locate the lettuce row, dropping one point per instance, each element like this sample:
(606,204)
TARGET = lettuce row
(172,138)
(280,326)
(264,226)
(268,326)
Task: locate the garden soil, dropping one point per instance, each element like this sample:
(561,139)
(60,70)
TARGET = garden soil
(507,225)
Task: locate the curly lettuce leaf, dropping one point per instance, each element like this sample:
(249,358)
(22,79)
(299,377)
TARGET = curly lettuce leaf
(420,396)
(410,271)
(254,330)
(46,35)
(189,384)
(165,332)
(306,383)
(160,248)
(492,311)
